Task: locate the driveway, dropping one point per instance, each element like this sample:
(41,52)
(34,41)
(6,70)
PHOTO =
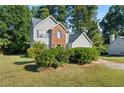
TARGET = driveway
(110,64)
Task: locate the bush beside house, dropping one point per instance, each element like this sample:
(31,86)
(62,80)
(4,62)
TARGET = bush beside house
(52,57)
(56,56)
(83,55)
(36,49)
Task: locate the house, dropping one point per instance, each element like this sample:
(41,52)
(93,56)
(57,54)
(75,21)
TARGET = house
(53,33)
(116,46)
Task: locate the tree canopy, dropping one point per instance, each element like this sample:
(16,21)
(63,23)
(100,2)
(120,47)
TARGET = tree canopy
(113,22)
(15,27)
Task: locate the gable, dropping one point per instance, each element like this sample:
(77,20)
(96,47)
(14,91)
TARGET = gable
(50,18)
(73,37)
(46,24)
(59,26)
(82,41)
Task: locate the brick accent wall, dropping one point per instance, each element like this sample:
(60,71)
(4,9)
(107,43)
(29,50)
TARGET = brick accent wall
(58,41)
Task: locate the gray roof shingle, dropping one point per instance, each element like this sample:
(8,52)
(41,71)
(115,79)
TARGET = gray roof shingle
(73,37)
(35,21)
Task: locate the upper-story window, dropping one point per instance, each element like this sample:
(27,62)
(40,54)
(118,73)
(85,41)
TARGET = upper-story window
(42,34)
(59,34)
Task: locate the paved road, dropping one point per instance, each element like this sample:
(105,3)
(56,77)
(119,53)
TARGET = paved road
(111,64)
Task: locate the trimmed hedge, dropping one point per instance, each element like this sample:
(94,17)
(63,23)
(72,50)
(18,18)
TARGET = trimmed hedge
(52,57)
(36,49)
(83,55)
(59,55)
(46,59)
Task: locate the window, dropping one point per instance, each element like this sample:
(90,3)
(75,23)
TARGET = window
(40,34)
(59,34)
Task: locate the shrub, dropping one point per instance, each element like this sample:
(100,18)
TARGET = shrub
(52,57)
(103,49)
(61,54)
(36,49)
(46,59)
(83,55)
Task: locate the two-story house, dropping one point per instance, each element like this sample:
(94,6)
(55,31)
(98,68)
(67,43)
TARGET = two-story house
(53,33)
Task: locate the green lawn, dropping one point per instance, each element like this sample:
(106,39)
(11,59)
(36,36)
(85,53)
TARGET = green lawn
(114,59)
(20,71)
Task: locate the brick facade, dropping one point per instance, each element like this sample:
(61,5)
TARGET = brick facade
(58,41)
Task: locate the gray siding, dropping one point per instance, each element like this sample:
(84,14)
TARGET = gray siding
(81,41)
(116,47)
(44,26)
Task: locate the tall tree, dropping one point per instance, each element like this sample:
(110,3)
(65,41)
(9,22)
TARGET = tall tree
(34,10)
(83,18)
(15,27)
(59,12)
(113,22)
(42,12)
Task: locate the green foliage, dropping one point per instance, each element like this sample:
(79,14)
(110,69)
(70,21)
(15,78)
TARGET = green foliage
(42,12)
(61,54)
(103,49)
(56,56)
(46,59)
(113,22)
(83,19)
(83,55)
(59,12)
(3,44)
(36,49)
(15,27)
(52,57)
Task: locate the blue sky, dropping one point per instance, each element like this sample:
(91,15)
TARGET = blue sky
(102,10)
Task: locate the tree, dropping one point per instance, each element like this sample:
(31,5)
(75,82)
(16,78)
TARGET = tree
(83,18)
(59,12)
(15,27)
(42,12)
(113,22)
(34,10)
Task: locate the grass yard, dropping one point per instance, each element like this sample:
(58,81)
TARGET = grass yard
(16,70)
(114,59)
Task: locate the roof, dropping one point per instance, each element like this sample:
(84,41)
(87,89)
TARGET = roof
(119,38)
(35,21)
(73,37)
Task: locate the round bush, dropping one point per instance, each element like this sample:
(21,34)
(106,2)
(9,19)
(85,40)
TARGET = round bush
(83,55)
(36,49)
(46,59)
(52,57)
(61,54)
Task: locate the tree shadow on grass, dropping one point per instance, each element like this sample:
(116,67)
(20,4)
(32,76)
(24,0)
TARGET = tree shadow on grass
(31,67)
(23,62)
(28,65)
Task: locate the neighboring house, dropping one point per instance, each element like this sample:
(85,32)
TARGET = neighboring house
(116,46)
(53,33)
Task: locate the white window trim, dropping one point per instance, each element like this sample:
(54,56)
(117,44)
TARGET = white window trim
(59,34)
